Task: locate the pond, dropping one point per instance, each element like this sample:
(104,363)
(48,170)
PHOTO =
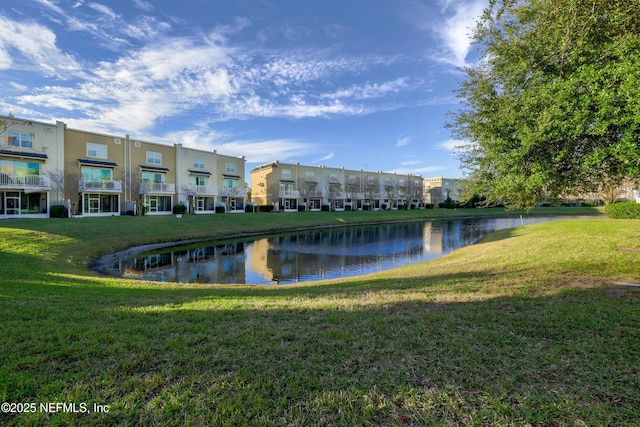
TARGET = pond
(315,254)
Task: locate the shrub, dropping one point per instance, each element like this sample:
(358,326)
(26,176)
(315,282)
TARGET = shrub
(429,206)
(301,208)
(265,208)
(248,208)
(325,208)
(220,209)
(179,209)
(58,211)
(623,210)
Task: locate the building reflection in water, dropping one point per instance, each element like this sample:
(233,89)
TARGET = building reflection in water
(313,255)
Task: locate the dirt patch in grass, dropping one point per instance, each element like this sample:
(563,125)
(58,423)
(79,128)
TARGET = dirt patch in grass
(634,250)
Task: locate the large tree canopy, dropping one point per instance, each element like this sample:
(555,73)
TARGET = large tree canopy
(553,105)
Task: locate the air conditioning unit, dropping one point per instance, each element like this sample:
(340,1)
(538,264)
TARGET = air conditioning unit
(117,141)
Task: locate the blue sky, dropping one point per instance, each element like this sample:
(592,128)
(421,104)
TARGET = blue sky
(360,84)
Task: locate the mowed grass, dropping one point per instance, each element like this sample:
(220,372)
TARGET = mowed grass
(525,328)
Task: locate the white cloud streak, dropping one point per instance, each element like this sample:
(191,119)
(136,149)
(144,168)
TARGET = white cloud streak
(32,47)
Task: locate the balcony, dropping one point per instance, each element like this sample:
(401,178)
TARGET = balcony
(101,186)
(201,190)
(339,195)
(314,194)
(27,182)
(289,193)
(157,188)
(234,192)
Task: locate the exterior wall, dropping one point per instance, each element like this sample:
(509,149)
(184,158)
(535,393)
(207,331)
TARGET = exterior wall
(313,188)
(261,180)
(84,192)
(199,166)
(31,164)
(437,189)
(230,180)
(152,178)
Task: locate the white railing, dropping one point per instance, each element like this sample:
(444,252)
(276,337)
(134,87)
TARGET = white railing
(203,189)
(339,195)
(289,193)
(313,194)
(231,192)
(27,181)
(157,187)
(101,185)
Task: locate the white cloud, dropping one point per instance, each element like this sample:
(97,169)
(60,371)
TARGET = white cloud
(266,151)
(18,86)
(451,145)
(457,29)
(136,90)
(424,171)
(327,157)
(143,5)
(104,10)
(369,90)
(30,46)
(403,141)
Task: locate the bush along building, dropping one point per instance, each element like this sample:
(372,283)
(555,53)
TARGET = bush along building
(90,174)
(293,187)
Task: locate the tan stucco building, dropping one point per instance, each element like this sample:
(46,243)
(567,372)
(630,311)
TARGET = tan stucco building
(292,187)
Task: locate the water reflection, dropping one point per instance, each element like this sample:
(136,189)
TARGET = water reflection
(313,255)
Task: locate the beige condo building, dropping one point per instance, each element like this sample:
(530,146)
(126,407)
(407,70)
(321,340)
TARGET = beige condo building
(291,187)
(94,174)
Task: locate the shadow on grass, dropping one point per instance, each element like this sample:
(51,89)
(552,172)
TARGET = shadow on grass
(174,357)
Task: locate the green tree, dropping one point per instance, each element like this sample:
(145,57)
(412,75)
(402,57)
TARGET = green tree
(553,105)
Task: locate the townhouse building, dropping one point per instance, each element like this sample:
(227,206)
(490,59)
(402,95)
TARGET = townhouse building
(438,189)
(208,180)
(94,174)
(31,157)
(292,187)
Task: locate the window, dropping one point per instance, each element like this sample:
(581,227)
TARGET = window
(198,163)
(152,177)
(96,174)
(309,175)
(231,168)
(286,173)
(230,183)
(333,177)
(20,139)
(154,158)
(352,179)
(370,180)
(18,169)
(96,150)
(198,180)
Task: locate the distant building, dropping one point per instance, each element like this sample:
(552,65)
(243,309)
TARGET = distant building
(292,187)
(437,189)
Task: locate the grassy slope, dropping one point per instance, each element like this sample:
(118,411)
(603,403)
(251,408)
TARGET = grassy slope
(525,327)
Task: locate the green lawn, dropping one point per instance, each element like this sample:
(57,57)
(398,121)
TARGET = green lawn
(524,328)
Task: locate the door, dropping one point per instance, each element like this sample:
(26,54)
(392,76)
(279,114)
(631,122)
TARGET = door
(12,202)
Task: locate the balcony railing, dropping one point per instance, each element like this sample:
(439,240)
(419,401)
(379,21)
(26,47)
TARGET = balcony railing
(339,195)
(100,185)
(313,194)
(157,187)
(202,190)
(289,193)
(234,192)
(25,182)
